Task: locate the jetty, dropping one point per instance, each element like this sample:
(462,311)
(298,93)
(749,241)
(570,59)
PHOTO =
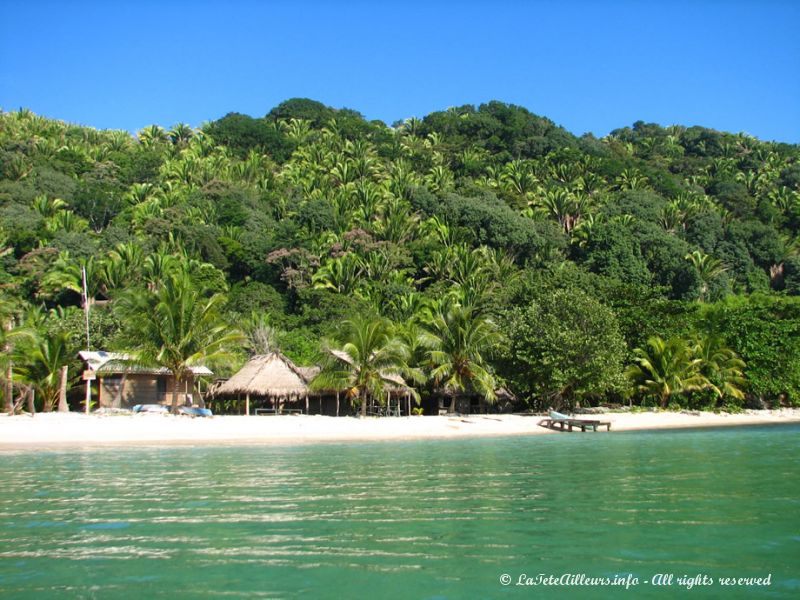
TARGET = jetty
(559,422)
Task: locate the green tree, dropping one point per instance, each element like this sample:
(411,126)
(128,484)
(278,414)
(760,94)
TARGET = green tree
(708,269)
(363,358)
(666,368)
(563,347)
(12,332)
(41,364)
(460,343)
(720,365)
(176,327)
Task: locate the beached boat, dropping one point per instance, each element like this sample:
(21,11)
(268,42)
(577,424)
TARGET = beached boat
(150,408)
(195,411)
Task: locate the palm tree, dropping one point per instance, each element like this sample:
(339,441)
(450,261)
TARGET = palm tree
(459,341)
(666,368)
(66,273)
(720,365)
(175,327)
(566,208)
(180,134)
(365,358)
(261,336)
(47,207)
(41,364)
(152,135)
(707,268)
(11,332)
(341,275)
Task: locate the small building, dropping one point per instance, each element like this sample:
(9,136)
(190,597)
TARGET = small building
(122,383)
(270,381)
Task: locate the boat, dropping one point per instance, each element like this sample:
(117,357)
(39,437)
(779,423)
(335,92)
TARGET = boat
(150,408)
(195,411)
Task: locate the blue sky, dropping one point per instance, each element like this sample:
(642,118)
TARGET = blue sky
(589,66)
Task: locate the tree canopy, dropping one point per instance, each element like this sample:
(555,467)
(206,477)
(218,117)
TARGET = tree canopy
(311,215)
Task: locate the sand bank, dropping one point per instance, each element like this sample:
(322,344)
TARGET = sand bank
(76,430)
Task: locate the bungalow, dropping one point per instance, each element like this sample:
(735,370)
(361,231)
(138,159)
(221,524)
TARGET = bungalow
(122,383)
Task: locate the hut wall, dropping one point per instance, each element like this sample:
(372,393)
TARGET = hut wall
(142,389)
(138,389)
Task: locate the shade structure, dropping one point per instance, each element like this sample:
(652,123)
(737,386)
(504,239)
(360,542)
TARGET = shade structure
(268,375)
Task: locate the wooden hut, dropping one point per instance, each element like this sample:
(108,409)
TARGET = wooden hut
(123,383)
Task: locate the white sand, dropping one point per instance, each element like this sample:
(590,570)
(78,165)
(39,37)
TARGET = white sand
(76,430)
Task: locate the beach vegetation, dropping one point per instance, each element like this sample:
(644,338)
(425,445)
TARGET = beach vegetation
(486,245)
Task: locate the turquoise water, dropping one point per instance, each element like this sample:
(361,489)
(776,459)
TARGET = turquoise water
(436,520)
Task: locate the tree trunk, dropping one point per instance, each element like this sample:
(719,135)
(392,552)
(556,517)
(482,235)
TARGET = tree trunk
(363,403)
(31,401)
(87,403)
(9,387)
(62,392)
(201,401)
(453,403)
(176,386)
(337,403)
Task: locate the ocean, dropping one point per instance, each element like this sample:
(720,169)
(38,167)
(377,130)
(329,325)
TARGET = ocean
(707,513)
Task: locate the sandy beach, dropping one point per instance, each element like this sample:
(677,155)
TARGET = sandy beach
(54,430)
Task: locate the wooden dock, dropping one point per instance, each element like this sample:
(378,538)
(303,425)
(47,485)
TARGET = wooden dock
(570,424)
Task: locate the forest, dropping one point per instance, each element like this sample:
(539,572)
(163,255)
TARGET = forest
(472,251)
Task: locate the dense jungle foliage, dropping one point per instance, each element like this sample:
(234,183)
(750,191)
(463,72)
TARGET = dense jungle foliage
(474,249)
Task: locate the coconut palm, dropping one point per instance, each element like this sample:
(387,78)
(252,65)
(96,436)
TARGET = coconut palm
(459,342)
(176,327)
(364,358)
(41,364)
(11,332)
(666,368)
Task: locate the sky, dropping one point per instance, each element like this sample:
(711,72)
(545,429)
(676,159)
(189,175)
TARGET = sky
(589,66)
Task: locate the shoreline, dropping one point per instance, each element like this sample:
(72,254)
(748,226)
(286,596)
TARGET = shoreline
(59,431)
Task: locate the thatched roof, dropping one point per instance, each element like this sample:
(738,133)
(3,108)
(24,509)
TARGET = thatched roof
(272,375)
(308,372)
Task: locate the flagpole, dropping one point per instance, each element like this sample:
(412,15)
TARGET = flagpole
(88,401)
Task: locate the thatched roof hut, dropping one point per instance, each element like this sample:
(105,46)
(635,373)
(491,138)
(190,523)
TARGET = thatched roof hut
(269,375)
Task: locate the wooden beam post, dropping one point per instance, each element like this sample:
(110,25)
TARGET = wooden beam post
(247,404)
(88,399)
